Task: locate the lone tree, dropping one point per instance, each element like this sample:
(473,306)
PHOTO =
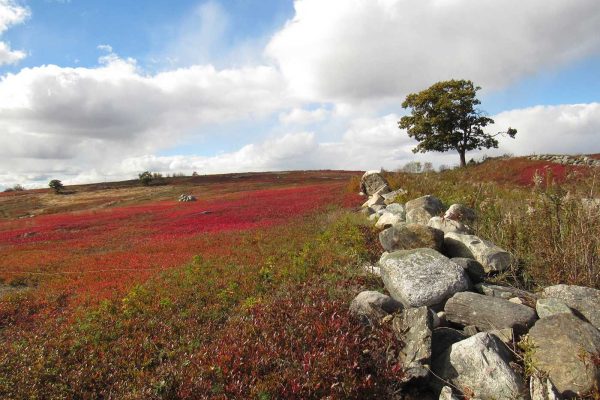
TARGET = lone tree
(56,185)
(443,117)
(145,177)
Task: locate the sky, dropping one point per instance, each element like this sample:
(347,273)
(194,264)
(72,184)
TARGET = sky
(95,91)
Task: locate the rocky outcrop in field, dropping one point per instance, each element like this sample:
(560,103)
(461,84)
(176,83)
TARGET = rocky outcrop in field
(461,334)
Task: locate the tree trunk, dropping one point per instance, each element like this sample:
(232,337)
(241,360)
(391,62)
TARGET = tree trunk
(463,162)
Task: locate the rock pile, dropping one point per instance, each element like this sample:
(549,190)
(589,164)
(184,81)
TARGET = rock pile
(567,159)
(187,197)
(459,332)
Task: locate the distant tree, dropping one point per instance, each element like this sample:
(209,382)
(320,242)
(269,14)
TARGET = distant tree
(194,173)
(56,185)
(15,188)
(443,117)
(145,178)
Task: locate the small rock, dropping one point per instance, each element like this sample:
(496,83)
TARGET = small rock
(563,345)
(390,198)
(480,364)
(371,306)
(492,257)
(372,269)
(540,388)
(421,277)
(446,394)
(461,213)
(515,300)
(403,236)
(551,306)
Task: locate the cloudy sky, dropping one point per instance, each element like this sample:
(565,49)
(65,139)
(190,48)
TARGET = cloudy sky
(102,90)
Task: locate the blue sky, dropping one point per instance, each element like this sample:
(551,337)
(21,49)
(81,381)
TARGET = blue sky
(95,89)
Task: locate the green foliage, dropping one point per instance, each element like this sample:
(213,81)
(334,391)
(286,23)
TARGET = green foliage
(56,185)
(444,117)
(146,177)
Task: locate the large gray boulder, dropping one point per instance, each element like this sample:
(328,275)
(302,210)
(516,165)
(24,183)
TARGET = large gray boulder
(403,236)
(492,257)
(583,300)
(397,209)
(562,347)
(480,366)
(413,327)
(461,213)
(488,313)
(371,306)
(429,203)
(449,225)
(373,182)
(418,216)
(421,277)
(551,306)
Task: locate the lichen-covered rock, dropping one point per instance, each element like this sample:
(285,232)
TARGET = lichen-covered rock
(374,200)
(391,197)
(371,306)
(421,277)
(461,213)
(373,182)
(473,268)
(388,219)
(413,327)
(397,209)
(504,292)
(480,366)
(585,301)
(429,203)
(563,346)
(551,306)
(492,257)
(403,236)
(418,216)
(541,388)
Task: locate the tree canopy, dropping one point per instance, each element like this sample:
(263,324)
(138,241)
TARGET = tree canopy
(444,117)
(56,185)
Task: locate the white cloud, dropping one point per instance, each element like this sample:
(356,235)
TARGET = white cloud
(11,14)
(351,50)
(300,116)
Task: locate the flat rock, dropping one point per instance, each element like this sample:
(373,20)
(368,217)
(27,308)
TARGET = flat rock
(504,292)
(480,366)
(492,257)
(473,268)
(562,347)
(413,327)
(583,300)
(551,306)
(449,225)
(488,313)
(403,236)
(371,306)
(421,277)
(373,182)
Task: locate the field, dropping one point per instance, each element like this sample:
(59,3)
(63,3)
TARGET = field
(118,291)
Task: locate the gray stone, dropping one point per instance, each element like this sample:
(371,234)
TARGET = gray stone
(504,292)
(388,219)
(562,346)
(448,225)
(372,182)
(461,213)
(541,388)
(372,269)
(487,313)
(583,300)
(473,268)
(413,327)
(373,201)
(492,257)
(403,236)
(432,204)
(377,208)
(551,306)
(374,217)
(480,366)
(442,338)
(371,306)
(397,209)
(421,277)
(390,198)
(418,216)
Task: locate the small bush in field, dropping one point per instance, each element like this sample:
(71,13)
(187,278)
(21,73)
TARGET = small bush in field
(56,185)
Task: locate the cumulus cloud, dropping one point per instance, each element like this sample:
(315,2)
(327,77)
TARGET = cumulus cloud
(10,14)
(342,50)
(300,116)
